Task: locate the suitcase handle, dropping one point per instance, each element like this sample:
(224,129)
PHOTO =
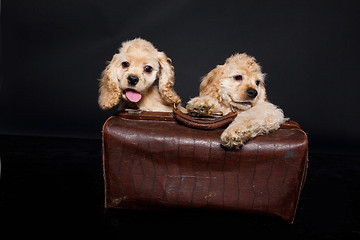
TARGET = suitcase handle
(208,123)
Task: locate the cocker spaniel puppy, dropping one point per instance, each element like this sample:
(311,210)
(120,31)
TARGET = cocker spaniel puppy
(138,77)
(238,85)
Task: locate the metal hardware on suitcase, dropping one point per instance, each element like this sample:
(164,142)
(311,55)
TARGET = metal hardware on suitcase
(153,162)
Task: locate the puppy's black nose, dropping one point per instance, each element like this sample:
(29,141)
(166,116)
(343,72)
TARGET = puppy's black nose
(132,80)
(252,93)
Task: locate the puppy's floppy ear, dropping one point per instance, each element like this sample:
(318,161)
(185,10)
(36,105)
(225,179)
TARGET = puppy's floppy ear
(210,84)
(109,91)
(262,92)
(167,79)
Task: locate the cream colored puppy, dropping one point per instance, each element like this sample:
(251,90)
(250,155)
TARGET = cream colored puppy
(138,77)
(238,85)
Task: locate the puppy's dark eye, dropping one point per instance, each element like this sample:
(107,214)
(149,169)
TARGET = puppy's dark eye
(148,69)
(257,82)
(125,64)
(238,77)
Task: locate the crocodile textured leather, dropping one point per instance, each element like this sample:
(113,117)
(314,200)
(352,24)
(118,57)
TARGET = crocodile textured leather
(153,162)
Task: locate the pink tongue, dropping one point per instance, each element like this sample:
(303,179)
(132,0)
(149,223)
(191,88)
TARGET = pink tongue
(133,96)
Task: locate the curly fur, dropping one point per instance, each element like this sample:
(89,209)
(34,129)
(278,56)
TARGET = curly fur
(138,53)
(226,88)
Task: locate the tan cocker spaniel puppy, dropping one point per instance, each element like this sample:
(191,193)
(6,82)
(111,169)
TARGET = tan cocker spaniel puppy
(238,85)
(138,77)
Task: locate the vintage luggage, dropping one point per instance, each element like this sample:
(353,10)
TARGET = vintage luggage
(151,161)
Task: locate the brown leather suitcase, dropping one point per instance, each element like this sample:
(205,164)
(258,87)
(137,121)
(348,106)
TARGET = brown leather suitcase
(151,161)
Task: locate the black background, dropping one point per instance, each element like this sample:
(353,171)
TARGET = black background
(54,52)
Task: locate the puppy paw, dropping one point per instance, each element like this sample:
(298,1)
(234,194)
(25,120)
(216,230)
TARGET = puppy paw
(233,138)
(203,106)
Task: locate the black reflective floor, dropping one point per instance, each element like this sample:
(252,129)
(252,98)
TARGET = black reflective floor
(52,188)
